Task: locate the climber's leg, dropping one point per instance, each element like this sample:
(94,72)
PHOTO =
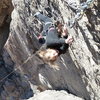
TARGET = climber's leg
(42,17)
(47,22)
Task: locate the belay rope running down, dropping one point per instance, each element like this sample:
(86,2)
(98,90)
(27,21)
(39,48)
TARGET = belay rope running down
(79,15)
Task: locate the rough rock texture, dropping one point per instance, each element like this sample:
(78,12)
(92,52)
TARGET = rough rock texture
(77,71)
(54,95)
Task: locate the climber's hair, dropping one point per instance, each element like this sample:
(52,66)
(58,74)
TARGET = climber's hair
(42,54)
(47,60)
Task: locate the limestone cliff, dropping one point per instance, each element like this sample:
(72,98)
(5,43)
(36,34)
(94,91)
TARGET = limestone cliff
(78,71)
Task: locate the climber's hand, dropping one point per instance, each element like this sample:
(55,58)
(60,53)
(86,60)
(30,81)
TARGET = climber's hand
(69,40)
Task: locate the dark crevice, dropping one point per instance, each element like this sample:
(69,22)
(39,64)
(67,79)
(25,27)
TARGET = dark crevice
(4,32)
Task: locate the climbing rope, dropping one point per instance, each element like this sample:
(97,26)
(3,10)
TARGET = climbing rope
(16,69)
(80,12)
(8,75)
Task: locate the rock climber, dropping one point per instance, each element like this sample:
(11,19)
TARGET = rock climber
(57,39)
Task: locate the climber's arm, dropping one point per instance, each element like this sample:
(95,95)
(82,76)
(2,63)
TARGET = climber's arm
(55,42)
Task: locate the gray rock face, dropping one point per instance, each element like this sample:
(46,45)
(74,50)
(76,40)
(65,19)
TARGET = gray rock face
(13,86)
(54,95)
(77,71)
